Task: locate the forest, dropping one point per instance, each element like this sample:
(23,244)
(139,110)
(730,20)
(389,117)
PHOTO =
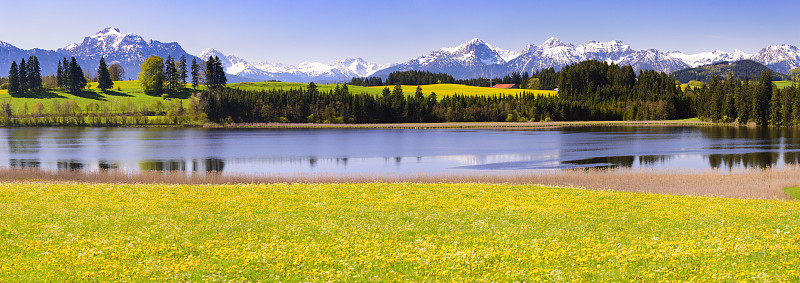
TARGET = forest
(589,90)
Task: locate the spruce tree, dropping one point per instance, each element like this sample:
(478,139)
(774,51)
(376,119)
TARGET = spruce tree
(195,73)
(23,76)
(763,95)
(182,71)
(209,73)
(59,75)
(76,79)
(221,78)
(34,74)
(103,76)
(13,79)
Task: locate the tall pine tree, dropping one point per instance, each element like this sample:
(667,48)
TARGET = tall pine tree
(763,95)
(23,76)
(103,76)
(182,71)
(195,73)
(34,74)
(76,79)
(13,79)
(59,75)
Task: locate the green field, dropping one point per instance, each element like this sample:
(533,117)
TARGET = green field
(778,84)
(388,232)
(440,89)
(123,92)
(783,84)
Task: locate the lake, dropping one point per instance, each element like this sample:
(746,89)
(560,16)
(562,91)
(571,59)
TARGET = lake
(397,151)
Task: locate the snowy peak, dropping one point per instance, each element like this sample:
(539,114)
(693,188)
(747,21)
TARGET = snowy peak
(552,43)
(342,70)
(108,31)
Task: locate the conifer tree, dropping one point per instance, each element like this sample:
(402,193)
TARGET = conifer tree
(23,76)
(103,76)
(13,79)
(76,79)
(763,95)
(59,75)
(195,73)
(182,71)
(221,78)
(34,74)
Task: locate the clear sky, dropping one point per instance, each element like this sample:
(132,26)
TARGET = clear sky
(394,31)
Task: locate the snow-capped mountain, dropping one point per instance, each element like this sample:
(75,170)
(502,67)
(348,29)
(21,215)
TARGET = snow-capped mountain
(340,71)
(781,58)
(471,58)
(476,59)
(706,58)
(128,49)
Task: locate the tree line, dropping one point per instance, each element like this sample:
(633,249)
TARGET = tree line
(546,79)
(744,101)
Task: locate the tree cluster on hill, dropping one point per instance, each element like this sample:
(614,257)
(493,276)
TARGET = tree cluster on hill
(69,76)
(158,73)
(25,77)
(214,73)
(739,69)
(746,101)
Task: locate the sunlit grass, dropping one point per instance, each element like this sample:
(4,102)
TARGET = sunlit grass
(387,232)
(793,192)
(123,92)
(441,90)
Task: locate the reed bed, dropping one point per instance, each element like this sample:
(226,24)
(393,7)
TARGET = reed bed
(743,184)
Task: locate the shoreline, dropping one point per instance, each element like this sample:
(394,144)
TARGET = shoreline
(465,125)
(742,184)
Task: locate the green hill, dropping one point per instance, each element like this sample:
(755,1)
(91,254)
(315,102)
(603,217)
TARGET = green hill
(739,69)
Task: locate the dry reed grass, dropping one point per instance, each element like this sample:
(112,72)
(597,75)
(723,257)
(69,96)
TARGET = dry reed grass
(744,184)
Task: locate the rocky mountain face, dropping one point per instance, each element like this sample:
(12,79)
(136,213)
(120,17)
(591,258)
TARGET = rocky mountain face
(128,49)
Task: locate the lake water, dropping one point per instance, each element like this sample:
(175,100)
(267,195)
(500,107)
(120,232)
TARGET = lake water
(396,151)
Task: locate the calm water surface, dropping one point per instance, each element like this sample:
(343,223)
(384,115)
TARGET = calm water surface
(396,151)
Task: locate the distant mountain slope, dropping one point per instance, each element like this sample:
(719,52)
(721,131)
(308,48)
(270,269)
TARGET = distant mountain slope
(739,69)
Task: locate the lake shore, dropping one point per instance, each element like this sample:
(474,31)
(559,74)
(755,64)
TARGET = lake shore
(467,125)
(742,184)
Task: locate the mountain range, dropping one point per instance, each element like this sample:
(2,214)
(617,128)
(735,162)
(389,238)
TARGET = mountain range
(473,58)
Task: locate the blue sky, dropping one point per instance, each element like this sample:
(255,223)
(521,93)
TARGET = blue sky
(394,31)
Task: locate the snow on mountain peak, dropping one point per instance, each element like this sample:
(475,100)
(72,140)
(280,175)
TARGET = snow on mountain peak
(108,30)
(552,42)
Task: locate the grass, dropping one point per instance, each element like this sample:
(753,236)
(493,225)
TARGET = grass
(441,90)
(388,232)
(450,89)
(793,192)
(130,92)
(783,84)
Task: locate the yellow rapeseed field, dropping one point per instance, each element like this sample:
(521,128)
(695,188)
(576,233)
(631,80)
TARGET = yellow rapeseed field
(388,232)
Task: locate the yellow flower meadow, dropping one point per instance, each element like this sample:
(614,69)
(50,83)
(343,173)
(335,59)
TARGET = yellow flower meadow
(388,232)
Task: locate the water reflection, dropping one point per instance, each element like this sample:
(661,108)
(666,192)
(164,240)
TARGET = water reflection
(397,151)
